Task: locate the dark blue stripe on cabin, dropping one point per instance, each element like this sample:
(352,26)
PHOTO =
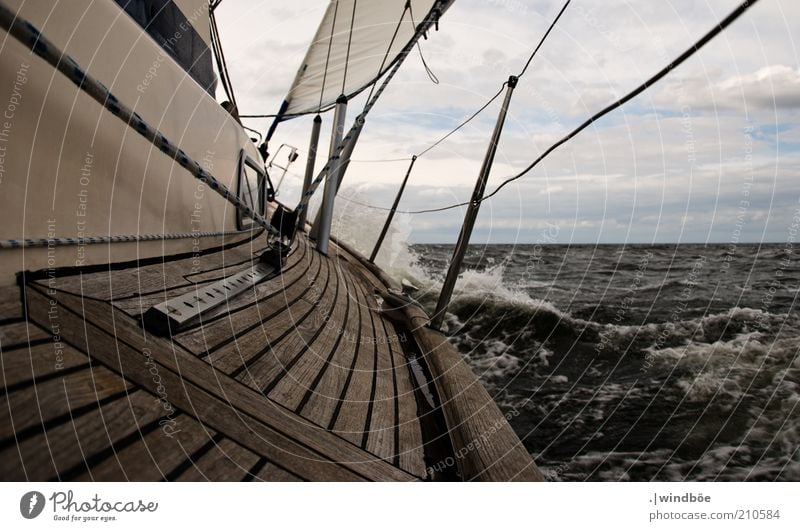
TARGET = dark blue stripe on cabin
(175,33)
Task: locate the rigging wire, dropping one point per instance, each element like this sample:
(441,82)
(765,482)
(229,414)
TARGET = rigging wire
(465,122)
(219,56)
(502,87)
(389,48)
(716,30)
(404,159)
(489,101)
(433,77)
(328,56)
(349,42)
(544,38)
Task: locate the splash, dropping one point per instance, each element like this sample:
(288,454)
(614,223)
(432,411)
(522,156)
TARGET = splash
(360,227)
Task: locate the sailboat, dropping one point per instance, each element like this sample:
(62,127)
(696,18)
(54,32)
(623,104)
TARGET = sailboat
(162,316)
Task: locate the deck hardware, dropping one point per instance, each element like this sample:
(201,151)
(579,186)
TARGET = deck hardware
(275,255)
(285,221)
(290,158)
(392,304)
(179,313)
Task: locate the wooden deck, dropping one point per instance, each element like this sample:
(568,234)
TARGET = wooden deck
(300,378)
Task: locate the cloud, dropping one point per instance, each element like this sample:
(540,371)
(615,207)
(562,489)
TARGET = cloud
(773,87)
(673,163)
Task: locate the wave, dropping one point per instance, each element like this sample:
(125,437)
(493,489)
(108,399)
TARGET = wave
(725,383)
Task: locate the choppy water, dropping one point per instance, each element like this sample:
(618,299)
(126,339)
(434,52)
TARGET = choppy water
(636,362)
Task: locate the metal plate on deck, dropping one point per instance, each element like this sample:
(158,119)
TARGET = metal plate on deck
(186,310)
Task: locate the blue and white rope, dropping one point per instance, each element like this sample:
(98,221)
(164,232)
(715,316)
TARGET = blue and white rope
(31,37)
(88,240)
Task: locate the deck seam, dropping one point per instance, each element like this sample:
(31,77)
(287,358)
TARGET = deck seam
(230,339)
(346,386)
(242,413)
(273,344)
(310,391)
(307,344)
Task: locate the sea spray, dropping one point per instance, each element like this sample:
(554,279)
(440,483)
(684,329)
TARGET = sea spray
(720,398)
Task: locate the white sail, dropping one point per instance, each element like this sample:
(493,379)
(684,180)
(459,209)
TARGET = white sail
(340,62)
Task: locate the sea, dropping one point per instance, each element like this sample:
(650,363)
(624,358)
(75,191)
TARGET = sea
(622,362)
(633,362)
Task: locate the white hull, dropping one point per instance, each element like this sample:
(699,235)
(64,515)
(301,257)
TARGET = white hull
(72,169)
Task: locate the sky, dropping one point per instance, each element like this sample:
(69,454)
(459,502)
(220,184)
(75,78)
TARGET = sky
(709,154)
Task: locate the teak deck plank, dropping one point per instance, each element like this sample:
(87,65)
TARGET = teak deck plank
(137,305)
(78,440)
(154,457)
(39,361)
(233,410)
(383,425)
(410,450)
(351,422)
(285,313)
(335,377)
(225,461)
(298,380)
(273,296)
(10,303)
(262,291)
(231,266)
(19,334)
(37,405)
(114,283)
(299,326)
